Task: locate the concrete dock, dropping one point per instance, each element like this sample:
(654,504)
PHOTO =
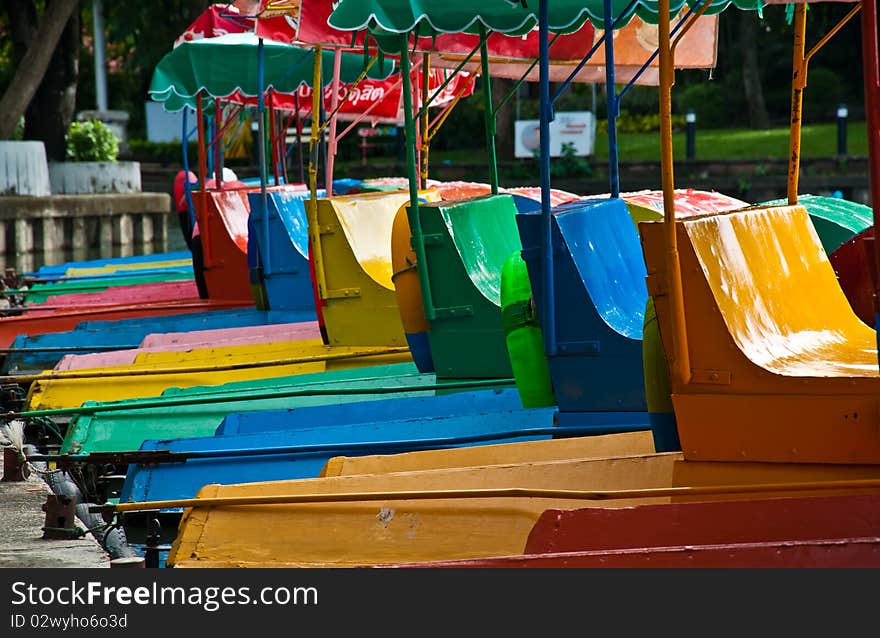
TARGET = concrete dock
(21,535)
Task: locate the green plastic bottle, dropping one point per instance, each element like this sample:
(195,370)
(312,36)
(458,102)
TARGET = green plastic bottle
(525,343)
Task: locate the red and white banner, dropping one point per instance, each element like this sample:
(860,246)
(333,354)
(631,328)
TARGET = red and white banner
(382,99)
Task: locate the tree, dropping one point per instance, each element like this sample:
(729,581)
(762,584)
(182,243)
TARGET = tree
(754,92)
(33,65)
(54,105)
(504,120)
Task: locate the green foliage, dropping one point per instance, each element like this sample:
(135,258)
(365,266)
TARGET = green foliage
(91,141)
(569,164)
(639,123)
(707,101)
(824,92)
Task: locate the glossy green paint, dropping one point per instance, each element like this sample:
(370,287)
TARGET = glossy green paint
(466,244)
(505,16)
(126,429)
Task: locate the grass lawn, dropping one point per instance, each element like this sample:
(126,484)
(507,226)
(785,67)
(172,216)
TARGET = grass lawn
(817,140)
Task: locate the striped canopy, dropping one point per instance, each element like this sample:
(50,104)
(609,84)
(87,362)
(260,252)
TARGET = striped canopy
(513,17)
(227,65)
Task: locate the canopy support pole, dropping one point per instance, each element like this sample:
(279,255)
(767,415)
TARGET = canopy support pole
(424,126)
(415,223)
(548,321)
(264,197)
(297,123)
(203,170)
(679,366)
(187,185)
(273,138)
(489,111)
(611,103)
(798,82)
(312,204)
(871,73)
(334,104)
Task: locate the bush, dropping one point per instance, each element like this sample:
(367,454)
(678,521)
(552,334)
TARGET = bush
(707,100)
(823,94)
(647,123)
(91,141)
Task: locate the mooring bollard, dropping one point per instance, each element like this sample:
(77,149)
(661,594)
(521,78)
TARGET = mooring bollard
(60,518)
(15,467)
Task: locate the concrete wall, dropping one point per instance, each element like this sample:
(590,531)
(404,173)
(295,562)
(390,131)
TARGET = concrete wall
(36,230)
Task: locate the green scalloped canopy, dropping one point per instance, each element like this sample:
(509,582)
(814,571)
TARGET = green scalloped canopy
(504,16)
(227,64)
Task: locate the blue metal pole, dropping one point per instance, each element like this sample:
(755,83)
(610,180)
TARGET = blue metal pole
(186,185)
(611,102)
(264,198)
(548,322)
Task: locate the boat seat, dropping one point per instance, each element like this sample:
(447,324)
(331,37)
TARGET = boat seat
(355,265)
(781,367)
(282,257)
(392,531)
(466,244)
(600,304)
(224,233)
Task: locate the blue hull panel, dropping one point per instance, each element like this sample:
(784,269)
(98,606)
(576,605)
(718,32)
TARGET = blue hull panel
(317,444)
(599,276)
(389,409)
(285,274)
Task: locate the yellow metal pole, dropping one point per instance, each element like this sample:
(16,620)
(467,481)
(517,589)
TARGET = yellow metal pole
(312,203)
(512,492)
(680,365)
(798,82)
(424,125)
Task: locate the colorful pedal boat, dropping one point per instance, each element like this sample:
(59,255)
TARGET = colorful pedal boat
(154,372)
(808,531)
(445,524)
(44,351)
(181,341)
(772,378)
(199,411)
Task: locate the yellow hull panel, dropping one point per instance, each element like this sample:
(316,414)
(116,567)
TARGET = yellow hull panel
(355,268)
(628,444)
(377,532)
(203,366)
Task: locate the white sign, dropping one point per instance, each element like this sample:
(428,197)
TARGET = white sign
(577,128)
(163,126)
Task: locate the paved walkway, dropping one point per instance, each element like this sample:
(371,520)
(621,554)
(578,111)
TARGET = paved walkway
(21,522)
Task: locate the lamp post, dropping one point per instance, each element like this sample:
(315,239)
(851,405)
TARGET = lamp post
(842,115)
(690,119)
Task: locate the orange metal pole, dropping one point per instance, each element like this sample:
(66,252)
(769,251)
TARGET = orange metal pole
(679,365)
(798,82)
